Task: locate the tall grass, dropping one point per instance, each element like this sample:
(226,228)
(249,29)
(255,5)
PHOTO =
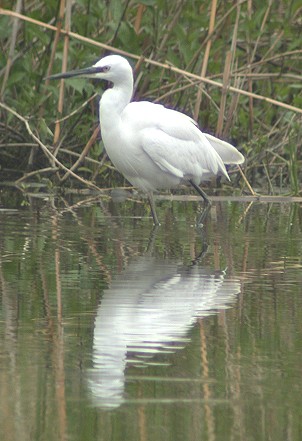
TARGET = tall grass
(247,52)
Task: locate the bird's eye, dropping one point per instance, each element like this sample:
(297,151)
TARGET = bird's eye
(106,69)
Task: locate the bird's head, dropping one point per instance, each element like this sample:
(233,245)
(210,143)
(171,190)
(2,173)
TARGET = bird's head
(113,68)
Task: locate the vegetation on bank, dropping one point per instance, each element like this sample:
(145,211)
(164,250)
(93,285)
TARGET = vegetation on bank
(247,52)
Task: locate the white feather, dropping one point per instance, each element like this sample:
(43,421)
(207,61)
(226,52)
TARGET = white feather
(228,153)
(152,146)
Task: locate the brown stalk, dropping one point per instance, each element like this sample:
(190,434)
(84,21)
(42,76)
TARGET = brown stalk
(206,389)
(225,82)
(99,166)
(218,26)
(87,158)
(55,41)
(231,111)
(227,75)
(249,80)
(11,48)
(74,112)
(274,44)
(64,66)
(251,108)
(246,181)
(45,150)
(262,28)
(53,49)
(274,58)
(235,99)
(85,151)
(138,18)
(58,343)
(268,76)
(165,65)
(205,58)
(36,172)
(175,16)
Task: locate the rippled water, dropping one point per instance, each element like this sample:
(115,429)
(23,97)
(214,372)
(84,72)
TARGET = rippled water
(110,329)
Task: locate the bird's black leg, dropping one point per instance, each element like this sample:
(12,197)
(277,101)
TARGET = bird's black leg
(207,202)
(201,192)
(153,210)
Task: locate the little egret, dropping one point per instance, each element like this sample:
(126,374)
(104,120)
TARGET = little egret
(152,146)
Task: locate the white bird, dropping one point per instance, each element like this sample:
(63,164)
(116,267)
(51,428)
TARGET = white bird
(152,146)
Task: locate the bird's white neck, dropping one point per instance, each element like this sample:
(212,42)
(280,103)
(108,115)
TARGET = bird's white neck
(114,101)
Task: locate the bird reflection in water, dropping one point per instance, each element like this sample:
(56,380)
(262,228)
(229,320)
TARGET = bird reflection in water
(149,307)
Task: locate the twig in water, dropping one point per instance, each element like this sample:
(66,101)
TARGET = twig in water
(246,181)
(36,172)
(45,150)
(85,151)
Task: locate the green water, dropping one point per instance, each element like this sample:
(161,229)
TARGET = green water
(110,330)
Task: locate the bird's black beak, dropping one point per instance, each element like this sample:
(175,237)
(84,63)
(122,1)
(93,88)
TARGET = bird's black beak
(80,73)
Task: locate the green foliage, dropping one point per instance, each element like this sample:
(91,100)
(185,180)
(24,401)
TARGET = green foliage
(266,60)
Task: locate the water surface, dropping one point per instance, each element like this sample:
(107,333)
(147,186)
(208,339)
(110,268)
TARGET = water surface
(110,329)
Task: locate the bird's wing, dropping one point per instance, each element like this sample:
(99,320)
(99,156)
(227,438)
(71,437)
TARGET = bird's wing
(175,144)
(226,151)
(181,158)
